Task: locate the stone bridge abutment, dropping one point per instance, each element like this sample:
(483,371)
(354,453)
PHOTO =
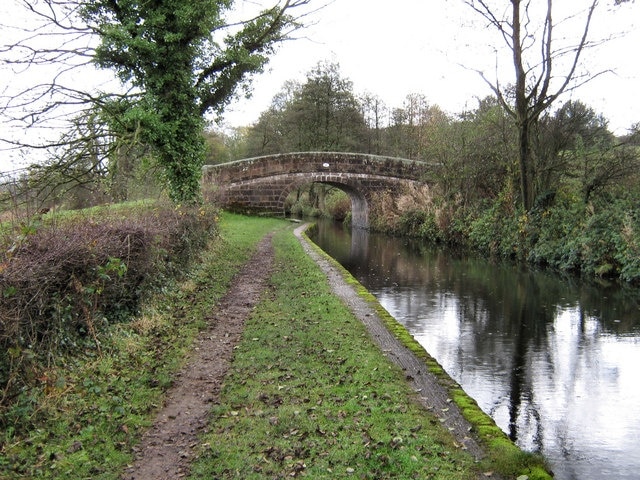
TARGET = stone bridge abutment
(262,184)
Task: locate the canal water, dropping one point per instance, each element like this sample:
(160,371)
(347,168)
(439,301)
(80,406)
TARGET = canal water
(554,361)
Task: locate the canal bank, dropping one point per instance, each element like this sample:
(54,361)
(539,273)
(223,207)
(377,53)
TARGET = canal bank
(551,358)
(436,391)
(309,394)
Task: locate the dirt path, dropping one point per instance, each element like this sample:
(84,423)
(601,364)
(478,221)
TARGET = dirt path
(166,449)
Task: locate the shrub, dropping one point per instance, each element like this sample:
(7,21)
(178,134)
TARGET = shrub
(629,253)
(555,234)
(411,222)
(429,230)
(62,281)
(600,239)
(498,231)
(338,204)
(610,240)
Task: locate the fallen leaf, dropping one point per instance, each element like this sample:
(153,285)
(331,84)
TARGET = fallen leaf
(75,446)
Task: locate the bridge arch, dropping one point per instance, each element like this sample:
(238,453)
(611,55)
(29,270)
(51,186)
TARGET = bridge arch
(359,202)
(262,184)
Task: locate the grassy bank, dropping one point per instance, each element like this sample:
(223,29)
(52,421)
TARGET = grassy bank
(308,393)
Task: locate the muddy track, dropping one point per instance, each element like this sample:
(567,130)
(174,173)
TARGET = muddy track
(167,448)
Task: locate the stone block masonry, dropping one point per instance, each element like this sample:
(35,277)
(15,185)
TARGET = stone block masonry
(261,185)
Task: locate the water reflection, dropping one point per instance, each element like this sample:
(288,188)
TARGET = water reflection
(553,361)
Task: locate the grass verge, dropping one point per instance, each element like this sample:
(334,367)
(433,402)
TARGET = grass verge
(503,456)
(309,394)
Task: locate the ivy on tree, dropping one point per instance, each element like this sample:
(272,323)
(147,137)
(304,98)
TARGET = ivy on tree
(181,60)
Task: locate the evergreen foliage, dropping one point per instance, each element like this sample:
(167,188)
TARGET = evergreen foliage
(321,114)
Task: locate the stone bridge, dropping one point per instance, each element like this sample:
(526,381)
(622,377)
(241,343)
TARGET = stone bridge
(261,185)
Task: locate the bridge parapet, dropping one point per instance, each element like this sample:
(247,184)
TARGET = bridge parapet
(313,162)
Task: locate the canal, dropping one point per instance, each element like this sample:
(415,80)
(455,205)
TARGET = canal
(554,361)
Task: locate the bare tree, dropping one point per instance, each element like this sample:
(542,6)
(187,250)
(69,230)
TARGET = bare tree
(375,114)
(544,68)
(175,62)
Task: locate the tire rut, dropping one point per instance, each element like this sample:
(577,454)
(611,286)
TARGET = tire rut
(166,449)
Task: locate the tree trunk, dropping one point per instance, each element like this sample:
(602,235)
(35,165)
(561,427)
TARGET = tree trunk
(521,110)
(526,164)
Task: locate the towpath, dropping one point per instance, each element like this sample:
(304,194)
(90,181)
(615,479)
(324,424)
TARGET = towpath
(169,445)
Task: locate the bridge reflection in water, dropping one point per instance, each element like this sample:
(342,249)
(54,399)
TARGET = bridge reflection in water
(553,361)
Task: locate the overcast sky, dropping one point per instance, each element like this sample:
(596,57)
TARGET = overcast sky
(395,48)
(431,47)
